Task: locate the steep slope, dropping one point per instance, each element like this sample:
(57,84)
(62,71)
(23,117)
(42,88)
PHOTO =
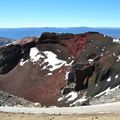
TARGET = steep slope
(61,69)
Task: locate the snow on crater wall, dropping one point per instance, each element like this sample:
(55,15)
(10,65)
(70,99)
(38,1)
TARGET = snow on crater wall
(116,40)
(53,61)
(47,59)
(22,62)
(35,55)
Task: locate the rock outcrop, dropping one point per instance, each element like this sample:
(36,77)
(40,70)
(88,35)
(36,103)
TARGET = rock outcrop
(61,69)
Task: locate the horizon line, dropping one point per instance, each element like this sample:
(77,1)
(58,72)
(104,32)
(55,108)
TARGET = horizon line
(54,27)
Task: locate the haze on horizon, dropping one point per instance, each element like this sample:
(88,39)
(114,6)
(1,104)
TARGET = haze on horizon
(62,13)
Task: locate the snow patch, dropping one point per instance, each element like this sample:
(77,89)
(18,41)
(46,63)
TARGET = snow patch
(69,63)
(101,54)
(79,100)
(60,99)
(36,104)
(103,92)
(96,85)
(52,60)
(113,89)
(116,76)
(118,58)
(45,67)
(104,35)
(69,58)
(113,54)
(35,54)
(109,79)
(103,48)
(71,96)
(107,91)
(90,60)
(59,51)
(116,40)
(60,71)
(49,74)
(22,62)
(66,75)
(8,44)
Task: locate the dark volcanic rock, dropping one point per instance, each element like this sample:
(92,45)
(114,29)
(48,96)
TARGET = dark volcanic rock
(9,57)
(61,69)
(11,54)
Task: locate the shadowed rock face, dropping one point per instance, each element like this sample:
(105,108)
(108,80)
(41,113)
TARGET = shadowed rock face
(60,69)
(10,55)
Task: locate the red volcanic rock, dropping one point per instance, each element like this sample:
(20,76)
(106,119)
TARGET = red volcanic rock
(60,69)
(74,43)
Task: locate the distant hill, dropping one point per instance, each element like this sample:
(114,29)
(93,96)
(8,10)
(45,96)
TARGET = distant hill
(4,41)
(18,33)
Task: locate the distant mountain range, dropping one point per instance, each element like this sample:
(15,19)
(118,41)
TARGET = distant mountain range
(18,33)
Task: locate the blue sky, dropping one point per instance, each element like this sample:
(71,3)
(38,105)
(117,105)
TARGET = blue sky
(59,13)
